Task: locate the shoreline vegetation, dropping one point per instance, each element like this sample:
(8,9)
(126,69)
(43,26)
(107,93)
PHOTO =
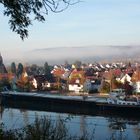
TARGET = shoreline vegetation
(46,128)
(43,128)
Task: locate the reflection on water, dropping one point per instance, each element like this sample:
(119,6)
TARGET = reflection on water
(97,127)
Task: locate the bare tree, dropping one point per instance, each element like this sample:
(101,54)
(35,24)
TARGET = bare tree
(22,13)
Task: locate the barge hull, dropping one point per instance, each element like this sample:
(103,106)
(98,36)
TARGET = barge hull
(64,105)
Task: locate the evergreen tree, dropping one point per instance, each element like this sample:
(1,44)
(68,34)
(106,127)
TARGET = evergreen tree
(19,70)
(47,70)
(13,67)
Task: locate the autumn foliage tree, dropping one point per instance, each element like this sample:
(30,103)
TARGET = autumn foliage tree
(24,83)
(116,84)
(105,87)
(77,75)
(58,73)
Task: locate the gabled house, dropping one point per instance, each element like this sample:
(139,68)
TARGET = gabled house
(136,76)
(76,80)
(107,76)
(136,81)
(136,87)
(112,78)
(75,87)
(34,82)
(43,82)
(61,76)
(126,78)
(92,85)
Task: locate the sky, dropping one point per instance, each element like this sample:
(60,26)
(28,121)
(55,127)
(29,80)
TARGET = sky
(83,30)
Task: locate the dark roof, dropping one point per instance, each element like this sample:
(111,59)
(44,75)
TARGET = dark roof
(43,78)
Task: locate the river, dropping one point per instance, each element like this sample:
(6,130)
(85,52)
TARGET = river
(100,127)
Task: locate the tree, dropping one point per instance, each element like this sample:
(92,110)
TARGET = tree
(47,69)
(20,69)
(128,88)
(78,64)
(105,87)
(13,67)
(5,84)
(20,12)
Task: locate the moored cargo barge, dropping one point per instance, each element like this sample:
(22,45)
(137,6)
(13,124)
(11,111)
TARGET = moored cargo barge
(70,104)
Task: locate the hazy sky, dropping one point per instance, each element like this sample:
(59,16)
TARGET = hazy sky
(89,23)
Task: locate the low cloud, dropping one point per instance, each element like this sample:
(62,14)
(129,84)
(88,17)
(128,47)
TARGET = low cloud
(57,55)
(83,53)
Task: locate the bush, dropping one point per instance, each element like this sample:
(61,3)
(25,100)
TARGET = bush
(42,129)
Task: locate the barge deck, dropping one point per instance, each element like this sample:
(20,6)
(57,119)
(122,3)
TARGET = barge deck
(89,105)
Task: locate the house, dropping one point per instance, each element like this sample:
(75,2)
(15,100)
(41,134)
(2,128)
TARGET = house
(136,76)
(92,86)
(43,82)
(126,77)
(34,82)
(76,80)
(58,72)
(136,81)
(136,87)
(75,88)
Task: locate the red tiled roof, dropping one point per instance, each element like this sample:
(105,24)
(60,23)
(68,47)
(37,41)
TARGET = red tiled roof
(58,72)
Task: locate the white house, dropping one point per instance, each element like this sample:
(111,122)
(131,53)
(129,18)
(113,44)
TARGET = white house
(34,82)
(125,78)
(75,87)
(136,87)
(46,85)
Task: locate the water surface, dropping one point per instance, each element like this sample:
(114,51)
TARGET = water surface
(98,127)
